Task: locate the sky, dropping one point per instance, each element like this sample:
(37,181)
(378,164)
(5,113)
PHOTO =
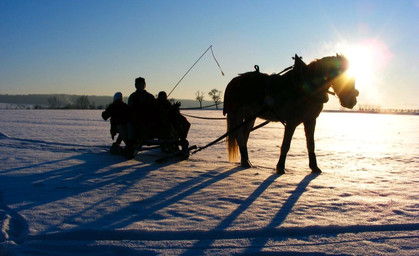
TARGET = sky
(100,47)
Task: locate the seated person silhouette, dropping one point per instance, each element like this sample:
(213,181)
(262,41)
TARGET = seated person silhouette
(120,114)
(144,116)
(172,123)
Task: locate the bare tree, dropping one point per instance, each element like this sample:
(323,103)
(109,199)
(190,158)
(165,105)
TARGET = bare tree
(54,102)
(199,97)
(82,102)
(215,96)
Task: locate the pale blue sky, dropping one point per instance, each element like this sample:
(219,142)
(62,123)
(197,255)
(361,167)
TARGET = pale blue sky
(100,47)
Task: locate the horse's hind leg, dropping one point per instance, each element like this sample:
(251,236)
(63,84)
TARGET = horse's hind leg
(286,143)
(242,138)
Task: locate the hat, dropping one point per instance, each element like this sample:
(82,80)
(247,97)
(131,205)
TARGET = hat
(117,96)
(162,95)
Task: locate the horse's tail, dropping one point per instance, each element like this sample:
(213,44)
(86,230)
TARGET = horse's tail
(232,147)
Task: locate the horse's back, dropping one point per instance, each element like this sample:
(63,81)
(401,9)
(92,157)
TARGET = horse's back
(244,90)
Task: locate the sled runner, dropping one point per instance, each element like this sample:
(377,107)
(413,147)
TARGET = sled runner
(180,155)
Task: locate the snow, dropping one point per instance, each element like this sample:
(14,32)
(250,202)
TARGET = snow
(62,193)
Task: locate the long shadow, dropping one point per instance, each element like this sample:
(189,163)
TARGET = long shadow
(88,164)
(234,215)
(82,172)
(275,233)
(43,142)
(84,248)
(258,237)
(35,179)
(285,210)
(54,147)
(89,171)
(147,208)
(68,181)
(125,182)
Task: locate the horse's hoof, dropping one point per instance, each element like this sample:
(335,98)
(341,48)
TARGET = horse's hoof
(246,164)
(315,170)
(279,170)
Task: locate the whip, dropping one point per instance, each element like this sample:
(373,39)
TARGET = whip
(194,65)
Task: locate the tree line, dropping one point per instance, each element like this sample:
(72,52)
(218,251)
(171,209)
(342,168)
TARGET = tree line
(379,109)
(65,101)
(83,102)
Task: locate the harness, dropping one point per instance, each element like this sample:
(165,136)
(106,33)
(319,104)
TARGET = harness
(302,86)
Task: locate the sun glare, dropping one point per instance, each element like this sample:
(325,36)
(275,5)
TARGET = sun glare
(361,64)
(366,60)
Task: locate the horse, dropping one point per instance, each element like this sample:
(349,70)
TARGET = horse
(294,97)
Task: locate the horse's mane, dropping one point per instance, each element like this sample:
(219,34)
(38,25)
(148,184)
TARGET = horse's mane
(316,66)
(321,66)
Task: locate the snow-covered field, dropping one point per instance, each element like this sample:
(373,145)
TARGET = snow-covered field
(62,193)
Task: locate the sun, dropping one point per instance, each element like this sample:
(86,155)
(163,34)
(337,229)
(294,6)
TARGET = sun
(361,59)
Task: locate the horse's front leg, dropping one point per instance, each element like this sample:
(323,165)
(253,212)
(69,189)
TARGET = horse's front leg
(286,143)
(309,127)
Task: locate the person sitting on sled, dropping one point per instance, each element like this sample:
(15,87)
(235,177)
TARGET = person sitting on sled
(120,114)
(143,106)
(172,122)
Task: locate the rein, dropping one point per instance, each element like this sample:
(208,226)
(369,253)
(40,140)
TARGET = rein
(286,69)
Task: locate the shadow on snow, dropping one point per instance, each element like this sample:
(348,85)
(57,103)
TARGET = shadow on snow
(84,167)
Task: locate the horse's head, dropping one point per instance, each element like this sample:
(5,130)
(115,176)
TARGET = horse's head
(343,85)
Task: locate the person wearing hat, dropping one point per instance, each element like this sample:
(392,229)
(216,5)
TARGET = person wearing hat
(143,106)
(120,114)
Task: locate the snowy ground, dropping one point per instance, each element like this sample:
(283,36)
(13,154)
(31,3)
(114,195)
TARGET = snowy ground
(61,193)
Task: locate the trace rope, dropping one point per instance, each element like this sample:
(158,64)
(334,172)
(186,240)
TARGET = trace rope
(218,141)
(248,120)
(206,118)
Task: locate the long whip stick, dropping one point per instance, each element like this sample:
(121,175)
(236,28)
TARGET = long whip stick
(194,65)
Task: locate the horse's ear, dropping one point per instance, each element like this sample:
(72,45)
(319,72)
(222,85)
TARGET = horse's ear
(298,61)
(297,57)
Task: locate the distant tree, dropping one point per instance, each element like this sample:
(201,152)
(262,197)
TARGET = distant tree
(82,102)
(92,105)
(215,96)
(54,102)
(199,97)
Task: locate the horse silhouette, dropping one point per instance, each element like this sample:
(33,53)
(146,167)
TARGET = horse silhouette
(295,97)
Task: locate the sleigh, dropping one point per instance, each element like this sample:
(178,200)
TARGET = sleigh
(167,132)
